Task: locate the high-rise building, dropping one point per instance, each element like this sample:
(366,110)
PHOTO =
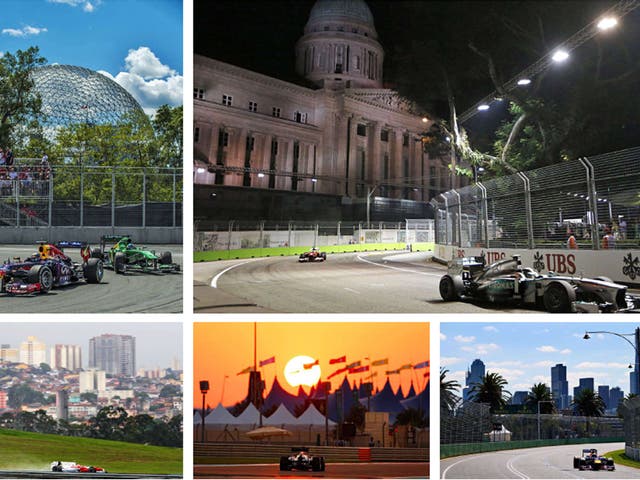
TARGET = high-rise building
(604,394)
(474,375)
(92,381)
(616,395)
(33,351)
(67,357)
(519,397)
(115,354)
(560,386)
(584,384)
(8,354)
(62,404)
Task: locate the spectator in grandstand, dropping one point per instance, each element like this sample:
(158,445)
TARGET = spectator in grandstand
(571,241)
(2,160)
(608,240)
(8,156)
(623,228)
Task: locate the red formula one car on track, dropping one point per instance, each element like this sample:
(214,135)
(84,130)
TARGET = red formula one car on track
(314,255)
(48,268)
(73,467)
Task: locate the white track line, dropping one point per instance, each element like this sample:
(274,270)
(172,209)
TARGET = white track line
(444,474)
(214,280)
(399,269)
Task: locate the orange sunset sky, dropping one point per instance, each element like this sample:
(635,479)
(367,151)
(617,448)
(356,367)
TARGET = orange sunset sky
(225,349)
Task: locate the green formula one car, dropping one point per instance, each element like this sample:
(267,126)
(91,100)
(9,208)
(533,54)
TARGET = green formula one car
(120,254)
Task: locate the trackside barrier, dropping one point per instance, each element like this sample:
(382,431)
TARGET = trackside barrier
(455,449)
(331,454)
(364,454)
(215,255)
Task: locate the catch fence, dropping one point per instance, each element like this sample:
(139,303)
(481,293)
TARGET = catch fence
(244,235)
(35,194)
(587,198)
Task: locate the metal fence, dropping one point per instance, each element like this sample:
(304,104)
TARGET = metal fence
(236,235)
(472,422)
(587,198)
(630,411)
(36,194)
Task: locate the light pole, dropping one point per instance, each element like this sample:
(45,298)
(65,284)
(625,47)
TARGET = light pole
(635,385)
(369,193)
(539,402)
(204,388)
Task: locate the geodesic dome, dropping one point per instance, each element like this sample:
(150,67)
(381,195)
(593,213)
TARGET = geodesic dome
(78,95)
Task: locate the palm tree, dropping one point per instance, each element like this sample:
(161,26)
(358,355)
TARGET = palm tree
(491,390)
(448,388)
(588,403)
(540,393)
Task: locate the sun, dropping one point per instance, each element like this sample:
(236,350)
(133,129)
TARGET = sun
(296,374)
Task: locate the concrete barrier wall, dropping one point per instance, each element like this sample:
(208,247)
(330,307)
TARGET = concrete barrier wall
(632,453)
(147,235)
(621,266)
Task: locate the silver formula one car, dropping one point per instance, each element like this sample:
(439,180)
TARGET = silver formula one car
(300,459)
(507,281)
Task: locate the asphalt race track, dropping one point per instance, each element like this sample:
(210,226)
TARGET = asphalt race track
(131,293)
(333,470)
(398,282)
(542,462)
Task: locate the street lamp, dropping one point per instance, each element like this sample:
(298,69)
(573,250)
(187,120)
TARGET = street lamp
(539,402)
(635,385)
(204,388)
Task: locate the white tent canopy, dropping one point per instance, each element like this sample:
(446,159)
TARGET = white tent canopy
(312,416)
(220,416)
(282,416)
(250,416)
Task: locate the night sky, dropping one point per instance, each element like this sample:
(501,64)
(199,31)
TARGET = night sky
(260,35)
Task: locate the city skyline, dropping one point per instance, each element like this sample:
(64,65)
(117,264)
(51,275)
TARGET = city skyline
(226,349)
(524,353)
(136,43)
(157,344)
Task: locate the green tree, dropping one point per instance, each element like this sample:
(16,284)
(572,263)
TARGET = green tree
(415,417)
(448,388)
(540,393)
(18,97)
(356,415)
(23,394)
(109,423)
(491,390)
(89,397)
(170,391)
(167,125)
(588,403)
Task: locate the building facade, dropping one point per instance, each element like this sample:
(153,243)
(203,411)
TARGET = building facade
(92,381)
(8,354)
(345,135)
(560,386)
(67,357)
(33,351)
(473,376)
(115,354)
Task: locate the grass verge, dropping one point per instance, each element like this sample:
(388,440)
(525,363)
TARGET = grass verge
(35,451)
(620,458)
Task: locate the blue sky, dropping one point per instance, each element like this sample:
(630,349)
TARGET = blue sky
(523,353)
(138,43)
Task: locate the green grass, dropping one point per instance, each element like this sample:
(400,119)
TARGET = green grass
(34,451)
(620,458)
(214,255)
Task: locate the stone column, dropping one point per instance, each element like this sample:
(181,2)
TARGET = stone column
(375,167)
(265,154)
(397,173)
(285,163)
(353,155)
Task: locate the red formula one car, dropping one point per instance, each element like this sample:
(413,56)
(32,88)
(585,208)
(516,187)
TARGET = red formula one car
(314,255)
(48,268)
(73,467)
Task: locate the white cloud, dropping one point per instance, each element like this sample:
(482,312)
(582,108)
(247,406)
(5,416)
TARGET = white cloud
(490,328)
(86,5)
(462,339)
(602,365)
(481,349)
(144,63)
(443,337)
(547,349)
(565,351)
(149,81)
(24,31)
(545,363)
(447,361)
(506,363)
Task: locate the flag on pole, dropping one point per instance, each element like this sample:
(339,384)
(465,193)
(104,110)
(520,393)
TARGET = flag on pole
(354,365)
(341,359)
(307,366)
(392,372)
(246,370)
(374,374)
(267,361)
(377,363)
(421,365)
(337,372)
(359,369)
(426,375)
(406,366)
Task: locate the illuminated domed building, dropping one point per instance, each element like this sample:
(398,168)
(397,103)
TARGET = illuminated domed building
(73,95)
(318,148)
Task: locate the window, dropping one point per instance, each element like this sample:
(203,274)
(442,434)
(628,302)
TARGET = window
(276,112)
(198,93)
(253,107)
(361,130)
(300,117)
(405,140)
(196,135)
(356,62)
(223,139)
(227,100)
(384,135)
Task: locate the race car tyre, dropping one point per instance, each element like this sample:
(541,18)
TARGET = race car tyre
(43,275)
(576,462)
(315,464)
(324,256)
(284,464)
(119,262)
(165,258)
(97,253)
(448,290)
(322,465)
(558,297)
(92,469)
(93,270)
